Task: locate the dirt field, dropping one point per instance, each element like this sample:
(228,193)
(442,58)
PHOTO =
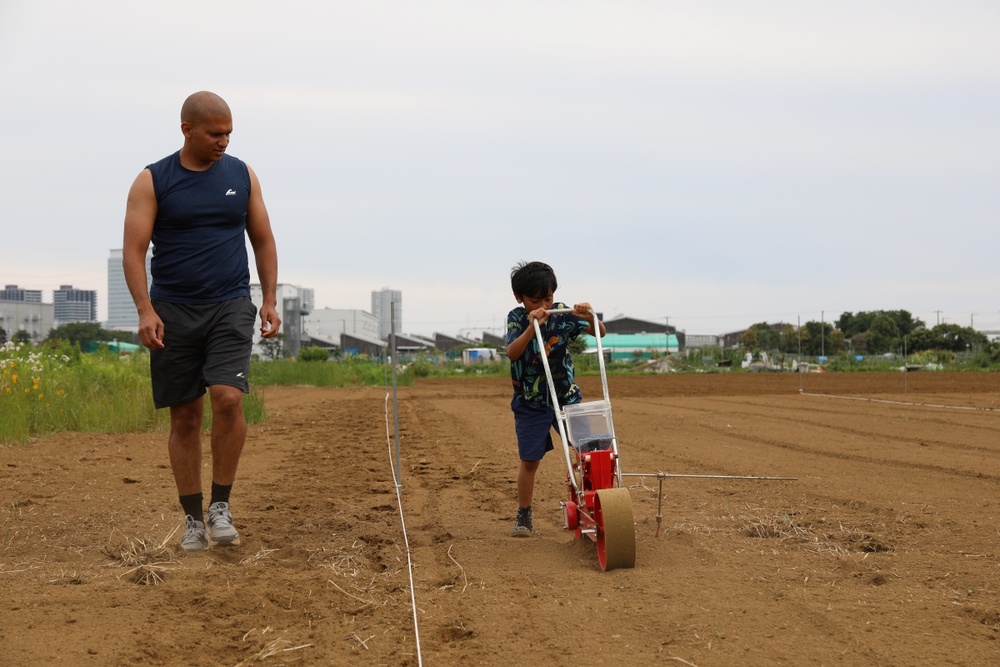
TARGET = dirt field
(886,550)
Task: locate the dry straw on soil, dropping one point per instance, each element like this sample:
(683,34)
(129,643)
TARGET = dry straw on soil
(145,562)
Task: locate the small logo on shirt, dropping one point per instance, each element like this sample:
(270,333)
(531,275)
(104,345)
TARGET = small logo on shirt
(239,375)
(230,191)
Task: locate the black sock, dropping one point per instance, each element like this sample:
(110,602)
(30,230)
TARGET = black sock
(192,505)
(220,493)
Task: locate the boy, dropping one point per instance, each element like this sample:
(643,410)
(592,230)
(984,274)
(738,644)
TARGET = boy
(534,284)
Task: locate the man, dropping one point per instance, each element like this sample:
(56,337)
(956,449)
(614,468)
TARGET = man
(197,206)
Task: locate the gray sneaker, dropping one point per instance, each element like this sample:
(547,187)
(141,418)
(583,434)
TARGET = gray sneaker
(220,525)
(194,538)
(522,524)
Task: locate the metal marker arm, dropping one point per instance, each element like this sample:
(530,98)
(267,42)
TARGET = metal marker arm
(555,398)
(560,415)
(604,386)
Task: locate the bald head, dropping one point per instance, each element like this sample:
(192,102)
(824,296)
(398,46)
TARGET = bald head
(201,106)
(206,124)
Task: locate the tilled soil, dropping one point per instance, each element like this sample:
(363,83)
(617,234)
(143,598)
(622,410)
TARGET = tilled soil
(884,550)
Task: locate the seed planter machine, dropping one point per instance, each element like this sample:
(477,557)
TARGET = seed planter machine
(599,506)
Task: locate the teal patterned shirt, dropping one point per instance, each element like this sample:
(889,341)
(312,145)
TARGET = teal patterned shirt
(527,372)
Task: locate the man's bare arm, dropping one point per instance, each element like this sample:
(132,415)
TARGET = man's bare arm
(140,216)
(265,253)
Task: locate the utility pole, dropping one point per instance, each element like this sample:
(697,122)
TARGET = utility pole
(666,337)
(938,316)
(822,333)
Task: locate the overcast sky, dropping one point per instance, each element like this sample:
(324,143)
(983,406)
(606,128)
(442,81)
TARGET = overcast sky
(718,163)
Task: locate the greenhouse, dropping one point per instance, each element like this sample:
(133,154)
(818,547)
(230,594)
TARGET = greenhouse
(623,347)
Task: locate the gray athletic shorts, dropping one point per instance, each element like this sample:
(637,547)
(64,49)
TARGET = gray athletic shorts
(204,344)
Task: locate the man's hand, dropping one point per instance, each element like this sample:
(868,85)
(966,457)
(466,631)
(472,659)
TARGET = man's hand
(151,330)
(269,322)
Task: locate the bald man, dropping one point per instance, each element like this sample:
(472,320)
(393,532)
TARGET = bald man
(197,207)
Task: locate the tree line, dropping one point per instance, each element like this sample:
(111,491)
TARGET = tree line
(867,332)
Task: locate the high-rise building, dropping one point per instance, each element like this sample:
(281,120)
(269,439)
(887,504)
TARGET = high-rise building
(74,305)
(387,306)
(121,308)
(15,293)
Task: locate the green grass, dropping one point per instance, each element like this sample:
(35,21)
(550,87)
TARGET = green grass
(53,389)
(47,390)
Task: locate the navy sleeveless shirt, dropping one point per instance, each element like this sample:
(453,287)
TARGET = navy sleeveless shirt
(199,237)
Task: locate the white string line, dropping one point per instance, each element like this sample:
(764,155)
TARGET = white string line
(406,540)
(882,400)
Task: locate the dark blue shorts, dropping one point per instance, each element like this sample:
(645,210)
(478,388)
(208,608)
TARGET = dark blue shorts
(533,428)
(204,344)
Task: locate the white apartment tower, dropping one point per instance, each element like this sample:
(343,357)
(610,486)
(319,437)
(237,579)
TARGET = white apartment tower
(121,308)
(74,305)
(387,307)
(15,293)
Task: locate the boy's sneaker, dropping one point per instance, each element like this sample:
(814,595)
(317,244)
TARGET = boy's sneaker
(194,538)
(220,525)
(522,524)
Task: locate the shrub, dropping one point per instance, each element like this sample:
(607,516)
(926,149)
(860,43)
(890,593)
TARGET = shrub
(314,353)
(420,368)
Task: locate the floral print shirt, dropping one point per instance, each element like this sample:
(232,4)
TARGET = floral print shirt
(527,372)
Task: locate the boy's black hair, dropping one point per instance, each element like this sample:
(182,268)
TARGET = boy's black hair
(534,279)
